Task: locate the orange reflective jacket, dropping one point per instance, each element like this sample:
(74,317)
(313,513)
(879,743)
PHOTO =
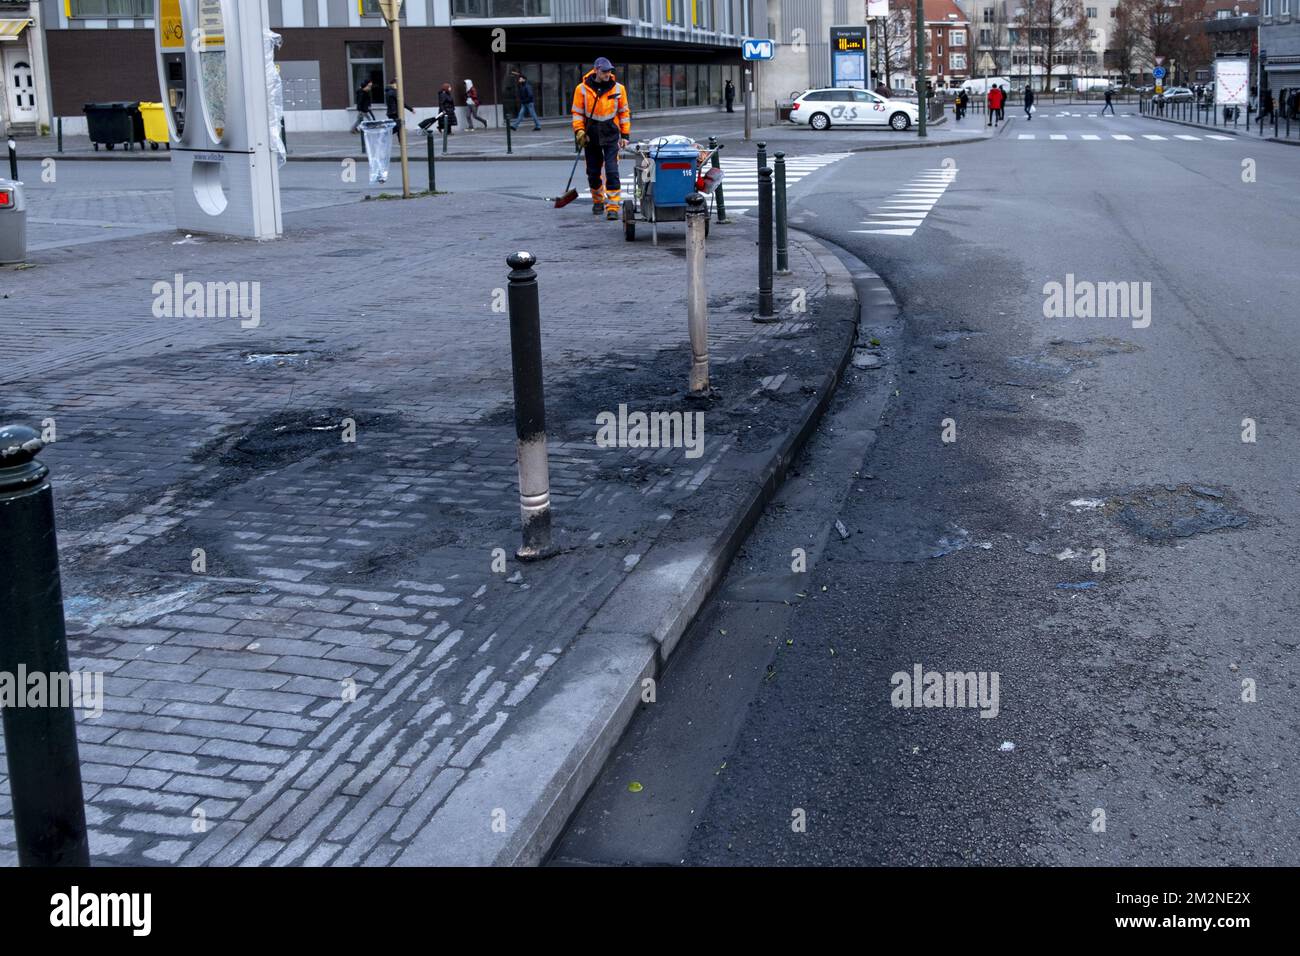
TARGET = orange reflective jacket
(610,106)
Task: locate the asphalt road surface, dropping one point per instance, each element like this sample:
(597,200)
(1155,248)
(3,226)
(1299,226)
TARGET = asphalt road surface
(1146,710)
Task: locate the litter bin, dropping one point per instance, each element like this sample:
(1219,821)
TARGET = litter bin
(156,130)
(13,222)
(113,123)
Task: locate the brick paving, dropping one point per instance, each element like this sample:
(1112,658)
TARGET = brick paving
(349,651)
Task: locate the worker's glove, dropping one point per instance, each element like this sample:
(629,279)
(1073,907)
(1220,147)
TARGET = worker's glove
(581,138)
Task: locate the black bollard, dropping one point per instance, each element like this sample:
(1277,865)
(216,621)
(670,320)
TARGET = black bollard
(762,155)
(41,740)
(433,175)
(446,131)
(13,160)
(717,191)
(284,137)
(697,298)
(782,235)
(530,408)
(764,244)
(60,127)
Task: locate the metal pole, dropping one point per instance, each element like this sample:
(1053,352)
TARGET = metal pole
(764,243)
(433,174)
(697,302)
(782,235)
(717,164)
(401,104)
(530,408)
(446,131)
(919,15)
(59,124)
(762,154)
(13,160)
(40,740)
(749,98)
(284,136)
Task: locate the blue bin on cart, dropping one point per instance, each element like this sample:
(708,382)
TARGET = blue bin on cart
(664,175)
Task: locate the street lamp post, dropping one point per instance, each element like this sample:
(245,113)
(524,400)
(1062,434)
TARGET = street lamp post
(392,11)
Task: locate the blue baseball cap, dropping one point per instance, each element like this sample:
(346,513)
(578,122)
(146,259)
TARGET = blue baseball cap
(602,63)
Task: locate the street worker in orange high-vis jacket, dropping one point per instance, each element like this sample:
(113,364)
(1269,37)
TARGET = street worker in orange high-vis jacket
(602,123)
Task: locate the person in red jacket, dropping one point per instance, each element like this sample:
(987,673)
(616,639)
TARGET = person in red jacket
(995,100)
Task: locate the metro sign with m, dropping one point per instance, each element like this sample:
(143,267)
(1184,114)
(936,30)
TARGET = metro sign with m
(758,49)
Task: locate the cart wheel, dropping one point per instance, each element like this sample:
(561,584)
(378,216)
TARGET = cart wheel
(110,146)
(629,220)
(154,146)
(96,145)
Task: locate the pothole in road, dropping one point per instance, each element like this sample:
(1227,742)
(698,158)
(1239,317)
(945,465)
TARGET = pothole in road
(1175,511)
(1061,357)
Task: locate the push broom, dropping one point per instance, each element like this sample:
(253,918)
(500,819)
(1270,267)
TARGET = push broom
(570,193)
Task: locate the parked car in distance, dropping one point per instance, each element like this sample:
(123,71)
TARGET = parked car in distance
(823,108)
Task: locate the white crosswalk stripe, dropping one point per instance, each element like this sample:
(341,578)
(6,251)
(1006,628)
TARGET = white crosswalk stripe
(907,208)
(1124,137)
(740,178)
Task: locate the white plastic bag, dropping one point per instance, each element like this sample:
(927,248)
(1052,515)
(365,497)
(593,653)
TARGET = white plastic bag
(274,94)
(379,147)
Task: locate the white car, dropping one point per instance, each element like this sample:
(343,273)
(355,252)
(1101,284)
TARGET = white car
(822,109)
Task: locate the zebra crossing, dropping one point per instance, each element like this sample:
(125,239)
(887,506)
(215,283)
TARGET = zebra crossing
(906,209)
(740,177)
(1126,138)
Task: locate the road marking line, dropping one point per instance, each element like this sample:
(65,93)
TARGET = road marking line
(885,232)
(1119,136)
(1153,136)
(1026,136)
(1194,139)
(1059,136)
(1225,139)
(1091,136)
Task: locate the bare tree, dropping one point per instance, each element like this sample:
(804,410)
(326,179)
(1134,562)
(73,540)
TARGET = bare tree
(1058,28)
(894,36)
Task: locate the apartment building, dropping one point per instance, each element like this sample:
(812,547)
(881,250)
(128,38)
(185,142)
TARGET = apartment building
(24,79)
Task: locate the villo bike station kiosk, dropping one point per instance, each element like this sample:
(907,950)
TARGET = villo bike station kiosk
(216,71)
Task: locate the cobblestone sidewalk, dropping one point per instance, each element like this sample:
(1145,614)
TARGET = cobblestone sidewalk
(312,644)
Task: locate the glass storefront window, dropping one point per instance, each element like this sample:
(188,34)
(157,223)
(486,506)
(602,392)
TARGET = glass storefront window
(665,85)
(679,84)
(715,86)
(553,100)
(692,85)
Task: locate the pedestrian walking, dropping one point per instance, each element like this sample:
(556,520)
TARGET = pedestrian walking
(365,104)
(1029,102)
(602,123)
(524,91)
(1266,105)
(471,107)
(995,100)
(446,117)
(1110,103)
(959,105)
(394,114)
(729,94)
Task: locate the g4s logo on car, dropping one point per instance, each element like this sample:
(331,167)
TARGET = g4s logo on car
(846,113)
